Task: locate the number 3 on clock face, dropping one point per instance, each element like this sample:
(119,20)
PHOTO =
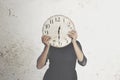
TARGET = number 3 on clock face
(57,27)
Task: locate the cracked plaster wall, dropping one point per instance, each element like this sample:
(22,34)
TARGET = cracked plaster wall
(96,21)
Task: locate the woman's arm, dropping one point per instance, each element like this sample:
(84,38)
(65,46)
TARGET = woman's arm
(82,60)
(80,56)
(78,52)
(43,57)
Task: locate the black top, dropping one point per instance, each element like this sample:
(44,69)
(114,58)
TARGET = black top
(62,63)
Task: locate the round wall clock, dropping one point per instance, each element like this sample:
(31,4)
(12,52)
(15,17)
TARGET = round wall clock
(57,27)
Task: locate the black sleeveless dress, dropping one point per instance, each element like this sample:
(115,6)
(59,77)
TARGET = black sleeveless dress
(62,63)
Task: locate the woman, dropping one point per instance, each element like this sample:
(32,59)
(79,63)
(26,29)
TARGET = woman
(62,60)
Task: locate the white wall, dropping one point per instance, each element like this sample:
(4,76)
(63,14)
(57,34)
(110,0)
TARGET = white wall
(96,21)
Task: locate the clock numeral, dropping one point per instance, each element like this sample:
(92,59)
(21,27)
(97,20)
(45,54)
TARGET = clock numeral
(53,44)
(69,24)
(57,19)
(51,21)
(46,32)
(60,44)
(54,40)
(71,27)
(47,26)
(66,40)
(64,20)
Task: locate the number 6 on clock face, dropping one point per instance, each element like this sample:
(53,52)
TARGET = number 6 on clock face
(57,27)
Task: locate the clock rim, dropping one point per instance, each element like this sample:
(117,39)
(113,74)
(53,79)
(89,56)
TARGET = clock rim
(56,16)
(61,47)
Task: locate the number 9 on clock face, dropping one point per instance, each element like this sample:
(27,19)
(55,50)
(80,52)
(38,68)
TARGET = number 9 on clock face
(57,27)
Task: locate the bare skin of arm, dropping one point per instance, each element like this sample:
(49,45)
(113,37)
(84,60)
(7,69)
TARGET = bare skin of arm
(78,52)
(42,58)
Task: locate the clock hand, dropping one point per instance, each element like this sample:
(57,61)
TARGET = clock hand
(59,32)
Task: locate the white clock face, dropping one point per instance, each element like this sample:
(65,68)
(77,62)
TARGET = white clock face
(57,27)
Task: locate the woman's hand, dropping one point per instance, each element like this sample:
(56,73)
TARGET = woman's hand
(73,35)
(46,39)
(43,57)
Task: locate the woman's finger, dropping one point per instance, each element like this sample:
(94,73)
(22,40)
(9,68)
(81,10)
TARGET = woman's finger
(73,32)
(47,38)
(44,38)
(70,35)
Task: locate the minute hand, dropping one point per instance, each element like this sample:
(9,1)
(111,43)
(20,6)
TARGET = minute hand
(59,32)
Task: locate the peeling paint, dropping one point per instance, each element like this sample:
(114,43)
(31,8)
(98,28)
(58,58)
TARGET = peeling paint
(83,3)
(87,3)
(11,12)
(1,54)
(1,74)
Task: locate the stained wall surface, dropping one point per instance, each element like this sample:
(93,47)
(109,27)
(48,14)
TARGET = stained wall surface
(97,24)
